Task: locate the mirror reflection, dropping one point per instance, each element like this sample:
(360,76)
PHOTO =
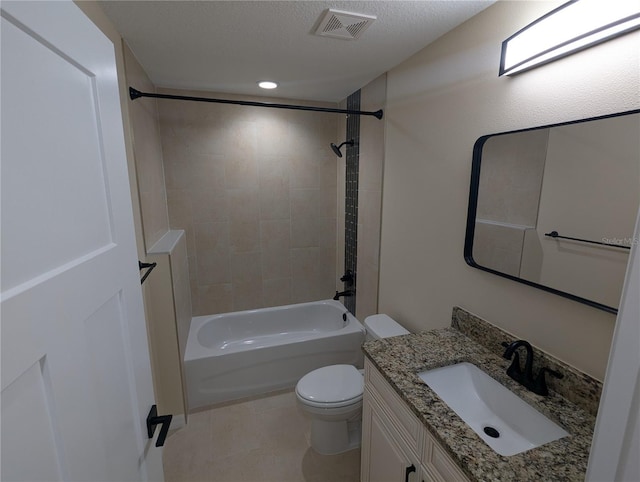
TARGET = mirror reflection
(533,189)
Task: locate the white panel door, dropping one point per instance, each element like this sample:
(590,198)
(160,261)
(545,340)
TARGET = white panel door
(76,379)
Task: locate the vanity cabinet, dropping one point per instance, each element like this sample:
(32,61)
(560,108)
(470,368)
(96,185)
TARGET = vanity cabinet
(389,458)
(396,447)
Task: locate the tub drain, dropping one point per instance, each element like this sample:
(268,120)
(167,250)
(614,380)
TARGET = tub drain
(491,432)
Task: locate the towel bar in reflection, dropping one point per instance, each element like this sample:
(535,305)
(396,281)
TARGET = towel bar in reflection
(555,234)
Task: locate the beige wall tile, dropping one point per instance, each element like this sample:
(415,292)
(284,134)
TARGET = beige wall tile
(241,173)
(243,205)
(178,194)
(305,203)
(327,231)
(276,263)
(191,239)
(275,234)
(312,273)
(255,182)
(213,267)
(276,292)
(246,267)
(274,188)
(247,296)
(327,172)
(212,237)
(272,131)
(208,205)
(326,275)
(305,272)
(195,292)
(240,140)
(215,298)
(305,232)
(244,237)
(180,175)
(274,201)
(274,169)
(327,202)
(304,173)
(180,214)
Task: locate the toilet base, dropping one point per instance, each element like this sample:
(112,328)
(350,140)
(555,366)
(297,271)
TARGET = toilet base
(332,438)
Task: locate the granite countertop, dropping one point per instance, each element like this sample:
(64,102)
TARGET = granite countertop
(399,359)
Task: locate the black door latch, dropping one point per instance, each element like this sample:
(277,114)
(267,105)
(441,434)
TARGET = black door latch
(152,420)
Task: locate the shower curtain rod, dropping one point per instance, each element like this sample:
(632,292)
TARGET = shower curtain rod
(135,94)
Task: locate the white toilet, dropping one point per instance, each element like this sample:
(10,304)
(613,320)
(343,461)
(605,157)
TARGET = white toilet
(332,396)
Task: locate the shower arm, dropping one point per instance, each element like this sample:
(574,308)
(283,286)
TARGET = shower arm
(136,94)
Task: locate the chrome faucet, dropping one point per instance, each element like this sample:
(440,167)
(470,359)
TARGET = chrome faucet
(343,293)
(537,385)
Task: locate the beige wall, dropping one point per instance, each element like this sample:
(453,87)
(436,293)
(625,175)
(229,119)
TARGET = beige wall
(438,103)
(372,98)
(148,153)
(255,191)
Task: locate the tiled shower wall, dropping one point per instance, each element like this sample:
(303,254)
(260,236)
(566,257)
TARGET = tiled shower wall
(255,191)
(351,199)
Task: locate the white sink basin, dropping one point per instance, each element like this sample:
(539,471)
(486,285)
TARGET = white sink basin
(483,402)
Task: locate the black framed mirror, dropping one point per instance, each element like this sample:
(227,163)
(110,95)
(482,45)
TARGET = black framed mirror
(554,206)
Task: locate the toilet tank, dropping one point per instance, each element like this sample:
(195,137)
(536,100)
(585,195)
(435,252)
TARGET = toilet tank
(382,326)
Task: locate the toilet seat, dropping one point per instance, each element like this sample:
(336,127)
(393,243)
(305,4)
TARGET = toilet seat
(333,386)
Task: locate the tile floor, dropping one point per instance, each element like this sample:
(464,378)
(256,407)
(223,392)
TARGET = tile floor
(260,440)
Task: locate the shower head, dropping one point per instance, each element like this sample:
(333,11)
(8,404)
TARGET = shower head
(336,149)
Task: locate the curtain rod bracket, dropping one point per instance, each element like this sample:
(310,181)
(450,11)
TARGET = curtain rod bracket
(136,94)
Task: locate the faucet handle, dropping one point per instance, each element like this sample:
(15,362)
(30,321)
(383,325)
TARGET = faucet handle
(510,350)
(540,384)
(347,277)
(551,372)
(514,370)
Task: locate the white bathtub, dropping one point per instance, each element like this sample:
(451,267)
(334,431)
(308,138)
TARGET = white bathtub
(235,355)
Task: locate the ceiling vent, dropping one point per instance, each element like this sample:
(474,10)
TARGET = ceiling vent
(343,25)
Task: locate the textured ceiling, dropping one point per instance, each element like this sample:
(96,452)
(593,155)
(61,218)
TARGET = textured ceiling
(227,46)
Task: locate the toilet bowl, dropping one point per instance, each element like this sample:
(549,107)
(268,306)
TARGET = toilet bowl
(332,396)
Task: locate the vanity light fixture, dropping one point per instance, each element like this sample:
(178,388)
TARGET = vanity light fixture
(574,26)
(267,84)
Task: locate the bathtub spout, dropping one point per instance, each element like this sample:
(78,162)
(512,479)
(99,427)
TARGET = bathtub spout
(343,293)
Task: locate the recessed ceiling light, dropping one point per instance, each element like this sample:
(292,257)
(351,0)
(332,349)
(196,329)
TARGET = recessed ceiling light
(267,84)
